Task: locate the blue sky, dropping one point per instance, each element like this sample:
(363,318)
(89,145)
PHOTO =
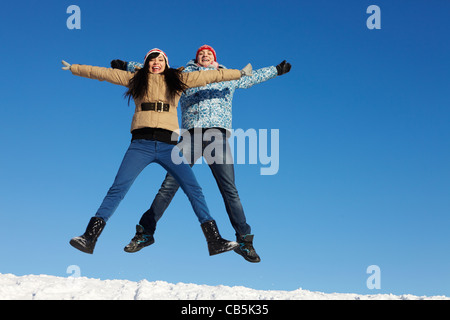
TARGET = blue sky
(364,143)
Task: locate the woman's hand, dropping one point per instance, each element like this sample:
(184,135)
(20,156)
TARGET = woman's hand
(247,71)
(66,65)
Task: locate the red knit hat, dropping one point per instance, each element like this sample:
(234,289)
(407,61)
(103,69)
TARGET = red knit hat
(160,51)
(206,47)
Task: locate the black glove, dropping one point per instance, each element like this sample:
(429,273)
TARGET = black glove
(283,67)
(119,64)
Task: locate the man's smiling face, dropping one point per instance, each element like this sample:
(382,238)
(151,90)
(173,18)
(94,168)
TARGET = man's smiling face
(205,58)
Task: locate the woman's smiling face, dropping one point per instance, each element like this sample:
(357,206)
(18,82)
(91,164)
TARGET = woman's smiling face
(157,64)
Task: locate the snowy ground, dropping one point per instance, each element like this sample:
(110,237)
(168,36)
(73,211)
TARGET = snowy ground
(44,287)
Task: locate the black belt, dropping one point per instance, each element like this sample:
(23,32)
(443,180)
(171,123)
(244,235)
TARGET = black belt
(155,106)
(159,134)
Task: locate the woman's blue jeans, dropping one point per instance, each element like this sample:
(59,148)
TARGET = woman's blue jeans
(216,152)
(139,155)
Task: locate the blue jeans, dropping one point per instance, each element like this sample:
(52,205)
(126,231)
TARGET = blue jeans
(140,154)
(220,162)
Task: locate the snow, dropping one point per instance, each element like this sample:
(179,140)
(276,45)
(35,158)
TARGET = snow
(45,287)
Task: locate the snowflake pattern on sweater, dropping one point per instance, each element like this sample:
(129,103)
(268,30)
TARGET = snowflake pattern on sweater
(211,106)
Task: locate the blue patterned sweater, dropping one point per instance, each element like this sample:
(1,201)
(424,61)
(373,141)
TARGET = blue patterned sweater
(211,106)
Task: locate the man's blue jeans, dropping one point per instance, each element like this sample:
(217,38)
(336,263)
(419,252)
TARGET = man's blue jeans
(140,154)
(216,152)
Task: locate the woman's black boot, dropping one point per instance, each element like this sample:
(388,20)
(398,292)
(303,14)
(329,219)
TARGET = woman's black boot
(216,244)
(86,242)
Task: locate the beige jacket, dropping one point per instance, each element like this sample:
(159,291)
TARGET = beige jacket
(157,91)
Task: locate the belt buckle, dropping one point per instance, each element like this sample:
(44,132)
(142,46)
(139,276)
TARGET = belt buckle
(159,106)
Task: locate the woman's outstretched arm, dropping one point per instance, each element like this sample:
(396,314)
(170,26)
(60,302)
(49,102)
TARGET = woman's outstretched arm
(114,76)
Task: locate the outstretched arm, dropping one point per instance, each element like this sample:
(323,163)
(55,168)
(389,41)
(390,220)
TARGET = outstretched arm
(114,76)
(264,74)
(202,78)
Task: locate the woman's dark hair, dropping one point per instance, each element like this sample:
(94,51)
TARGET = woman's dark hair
(138,85)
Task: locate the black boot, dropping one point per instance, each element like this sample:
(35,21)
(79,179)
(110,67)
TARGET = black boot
(86,242)
(246,249)
(140,240)
(216,244)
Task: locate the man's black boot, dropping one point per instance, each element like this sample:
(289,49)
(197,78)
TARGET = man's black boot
(246,249)
(141,240)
